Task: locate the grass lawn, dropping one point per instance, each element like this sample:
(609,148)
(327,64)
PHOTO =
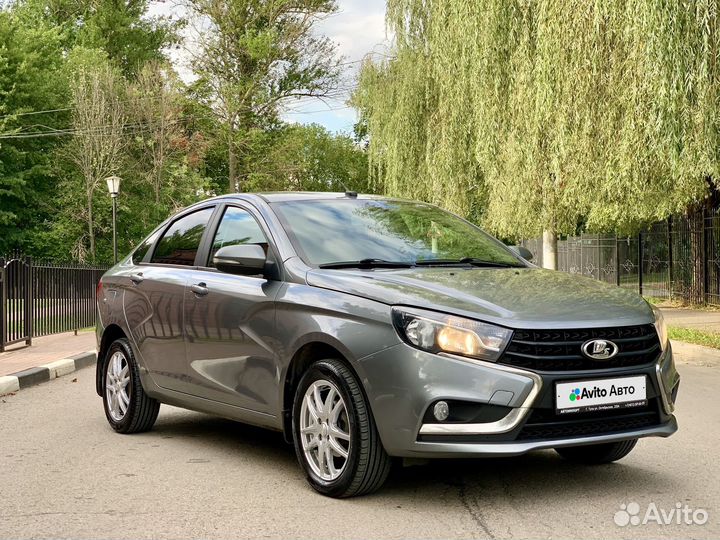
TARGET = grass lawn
(698,337)
(656,301)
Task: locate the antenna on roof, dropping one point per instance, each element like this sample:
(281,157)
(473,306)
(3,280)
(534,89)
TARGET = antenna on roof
(348,192)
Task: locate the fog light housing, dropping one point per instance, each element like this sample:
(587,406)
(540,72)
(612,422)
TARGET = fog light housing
(441,411)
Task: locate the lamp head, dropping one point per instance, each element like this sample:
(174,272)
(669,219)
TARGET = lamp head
(113,184)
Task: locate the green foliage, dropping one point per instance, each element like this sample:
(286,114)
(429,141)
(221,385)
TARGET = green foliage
(253,55)
(114,105)
(167,153)
(308,158)
(693,335)
(542,115)
(121,29)
(31,79)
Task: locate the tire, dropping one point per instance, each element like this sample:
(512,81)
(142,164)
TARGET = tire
(366,465)
(141,411)
(595,454)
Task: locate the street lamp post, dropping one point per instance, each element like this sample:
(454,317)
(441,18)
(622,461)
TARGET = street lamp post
(113,184)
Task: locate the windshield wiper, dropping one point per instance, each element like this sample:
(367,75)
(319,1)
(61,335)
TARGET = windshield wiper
(464,261)
(382,263)
(367,263)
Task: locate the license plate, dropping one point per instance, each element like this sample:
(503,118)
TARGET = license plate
(600,394)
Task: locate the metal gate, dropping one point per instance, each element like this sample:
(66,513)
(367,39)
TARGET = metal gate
(15,301)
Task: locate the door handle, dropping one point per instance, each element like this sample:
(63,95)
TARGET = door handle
(200,289)
(137,279)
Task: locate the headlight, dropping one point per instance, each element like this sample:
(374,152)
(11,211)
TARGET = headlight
(660,327)
(437,332)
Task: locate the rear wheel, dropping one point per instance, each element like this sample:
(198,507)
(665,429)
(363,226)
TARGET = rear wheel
(597,453)
(335,437)
(127,408)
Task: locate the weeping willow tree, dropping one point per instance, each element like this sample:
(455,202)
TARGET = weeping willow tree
(548,115)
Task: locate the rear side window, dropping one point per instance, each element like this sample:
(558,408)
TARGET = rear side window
(140,252)
(180,243)
(237,227)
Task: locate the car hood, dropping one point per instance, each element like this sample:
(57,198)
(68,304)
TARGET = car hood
(513,297)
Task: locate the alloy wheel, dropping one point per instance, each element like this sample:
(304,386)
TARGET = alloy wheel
(325,430)
(117,392)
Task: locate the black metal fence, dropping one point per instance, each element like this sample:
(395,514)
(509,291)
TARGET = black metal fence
(675,259)
(39,298)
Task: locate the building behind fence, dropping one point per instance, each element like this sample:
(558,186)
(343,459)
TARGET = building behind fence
(678,258)
(39,297)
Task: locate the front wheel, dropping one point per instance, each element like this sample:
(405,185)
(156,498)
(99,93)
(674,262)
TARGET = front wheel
(335,437)
(594,454)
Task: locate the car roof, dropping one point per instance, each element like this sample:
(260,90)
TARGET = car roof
(286,196)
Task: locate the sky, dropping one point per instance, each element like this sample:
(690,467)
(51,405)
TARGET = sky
(358,29)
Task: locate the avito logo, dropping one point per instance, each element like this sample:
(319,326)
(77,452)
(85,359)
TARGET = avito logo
(589,393)
(681,514)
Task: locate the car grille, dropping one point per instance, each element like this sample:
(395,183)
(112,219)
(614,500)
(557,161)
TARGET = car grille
(546,424)
(559,350)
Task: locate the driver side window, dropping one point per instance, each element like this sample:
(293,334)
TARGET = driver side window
(237,226)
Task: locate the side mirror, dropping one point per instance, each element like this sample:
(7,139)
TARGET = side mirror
(522,251)
(244,259)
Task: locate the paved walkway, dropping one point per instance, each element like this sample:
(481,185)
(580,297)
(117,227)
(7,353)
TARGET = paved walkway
(697,319)
(45,350)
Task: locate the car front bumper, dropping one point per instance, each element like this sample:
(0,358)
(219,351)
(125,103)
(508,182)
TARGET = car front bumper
(402,383)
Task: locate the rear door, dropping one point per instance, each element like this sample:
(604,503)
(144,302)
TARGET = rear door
(154,300)
(230,321)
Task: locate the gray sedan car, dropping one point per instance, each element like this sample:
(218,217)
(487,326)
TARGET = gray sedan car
(367,328)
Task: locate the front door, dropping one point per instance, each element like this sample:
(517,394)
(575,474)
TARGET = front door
(229,324)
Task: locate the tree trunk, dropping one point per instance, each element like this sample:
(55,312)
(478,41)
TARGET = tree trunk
(550,258)
(696,222)
(158,187)
(91,229)
(232,167)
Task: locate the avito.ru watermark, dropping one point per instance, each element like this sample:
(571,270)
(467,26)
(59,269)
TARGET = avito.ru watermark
(680,514)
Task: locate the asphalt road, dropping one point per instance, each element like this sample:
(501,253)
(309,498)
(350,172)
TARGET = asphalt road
(64,473)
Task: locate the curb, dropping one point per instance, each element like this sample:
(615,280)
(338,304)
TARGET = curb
(46,372)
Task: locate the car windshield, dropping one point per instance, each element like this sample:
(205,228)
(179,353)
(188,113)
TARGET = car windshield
(326,232)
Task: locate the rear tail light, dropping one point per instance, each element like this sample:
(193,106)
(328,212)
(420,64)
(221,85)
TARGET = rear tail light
(98,290)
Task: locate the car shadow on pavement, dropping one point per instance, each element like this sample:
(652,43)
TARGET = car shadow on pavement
(538,474)
(225,434)
(529,477)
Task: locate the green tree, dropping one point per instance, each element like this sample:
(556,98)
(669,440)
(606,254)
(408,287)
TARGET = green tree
(37,40)
(85,92)
(252,56)
(309,158)
(121,28)
(97,146)
(167,147)
(540,116)
(31,79)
